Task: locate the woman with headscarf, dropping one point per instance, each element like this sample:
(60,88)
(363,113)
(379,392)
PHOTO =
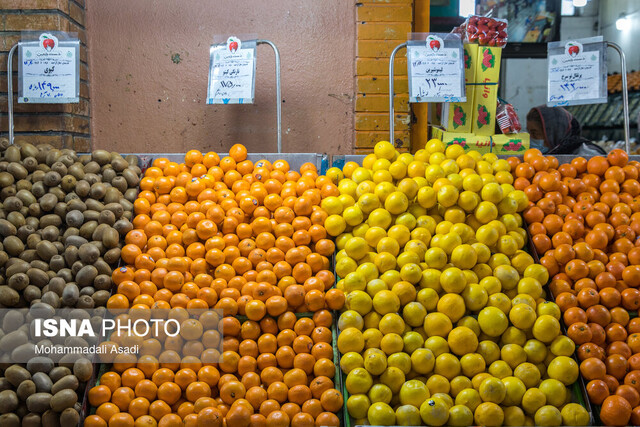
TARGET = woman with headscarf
(555,129)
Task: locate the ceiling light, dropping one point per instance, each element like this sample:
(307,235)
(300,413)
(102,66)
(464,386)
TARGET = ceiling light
(622,23)
(579,3)
(467,8)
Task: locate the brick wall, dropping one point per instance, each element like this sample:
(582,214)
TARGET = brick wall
(381,26)
(62,125)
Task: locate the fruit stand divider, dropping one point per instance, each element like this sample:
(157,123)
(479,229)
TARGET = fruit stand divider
(295,160)
(578,388)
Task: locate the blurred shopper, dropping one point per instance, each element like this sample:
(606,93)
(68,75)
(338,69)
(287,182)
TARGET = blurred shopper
(554,130)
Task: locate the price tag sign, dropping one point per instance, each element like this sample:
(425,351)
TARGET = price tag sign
(232,72)
(49,70)
(436,69)
(577,72)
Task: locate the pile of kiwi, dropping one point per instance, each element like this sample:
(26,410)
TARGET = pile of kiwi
(42,394)
(63,218)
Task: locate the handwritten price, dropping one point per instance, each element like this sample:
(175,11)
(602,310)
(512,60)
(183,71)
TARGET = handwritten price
(47,89)
(572,87)
(433,82)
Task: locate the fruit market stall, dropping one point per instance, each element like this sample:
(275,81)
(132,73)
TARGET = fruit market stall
(393,289)
(450,286)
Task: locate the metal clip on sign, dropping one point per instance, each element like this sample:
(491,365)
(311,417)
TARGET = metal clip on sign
(391,92)
(625,93)
(278,93)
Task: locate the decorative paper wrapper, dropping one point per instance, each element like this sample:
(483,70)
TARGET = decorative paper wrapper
(485,96)
(512,145)
(457,116)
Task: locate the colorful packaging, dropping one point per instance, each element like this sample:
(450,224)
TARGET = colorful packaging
(468,141)
(512,145)
(461,138)
(470,62)
(507,118)
(457,116)
(488,64)
(485,96)
(484,109)
(482,144)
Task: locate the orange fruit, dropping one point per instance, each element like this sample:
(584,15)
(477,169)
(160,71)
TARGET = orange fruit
(131,377)
(106,410)
(147,389)
(138,407)
(94,421)
(99,394)
(111,380)
(121,397)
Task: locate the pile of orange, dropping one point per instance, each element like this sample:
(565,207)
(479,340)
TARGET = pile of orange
(584,219)
(247,239)
(278,371)
(230,234)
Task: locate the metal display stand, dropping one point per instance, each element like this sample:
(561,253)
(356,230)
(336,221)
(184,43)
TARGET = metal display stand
(625,93)
(260,41)
(614,46)
(391,91)
(10,90)
(295,160)
(278,93)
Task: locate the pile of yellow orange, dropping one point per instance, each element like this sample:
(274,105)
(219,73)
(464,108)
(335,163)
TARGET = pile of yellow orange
(247,239)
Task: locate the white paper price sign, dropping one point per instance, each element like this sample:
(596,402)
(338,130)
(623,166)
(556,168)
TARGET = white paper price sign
(436,69)
(232,69)
(577,73)
(48,70)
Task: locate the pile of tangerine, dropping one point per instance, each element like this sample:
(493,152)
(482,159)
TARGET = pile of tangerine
(247,239)
(584,219)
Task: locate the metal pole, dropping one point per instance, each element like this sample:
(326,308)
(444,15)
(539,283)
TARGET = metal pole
(625,93)
(10,90)
(391,91)
(278,93)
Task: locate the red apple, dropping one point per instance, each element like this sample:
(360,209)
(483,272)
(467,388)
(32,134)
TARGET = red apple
(48,44)
(573,50)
